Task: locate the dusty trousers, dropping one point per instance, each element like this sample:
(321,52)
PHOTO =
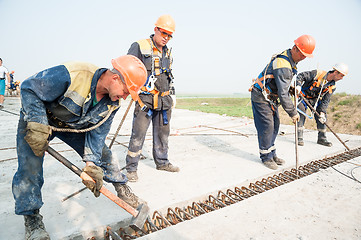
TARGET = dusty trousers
(267,122)
(28,180)
(141,122)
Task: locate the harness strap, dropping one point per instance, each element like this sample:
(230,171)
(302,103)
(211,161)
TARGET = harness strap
(156,94)
(260,81)
(165,117)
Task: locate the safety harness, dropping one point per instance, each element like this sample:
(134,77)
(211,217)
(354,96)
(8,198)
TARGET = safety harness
(319,80)
(148,48)
(261,82)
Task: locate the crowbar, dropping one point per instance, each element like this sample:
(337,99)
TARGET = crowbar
(139,215)
(318,115)
(110,146)
(121,123)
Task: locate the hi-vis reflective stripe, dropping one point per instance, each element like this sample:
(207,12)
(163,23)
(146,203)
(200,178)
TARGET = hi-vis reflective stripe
(321,130)
(134,154)
(148,48)
(265,151)
(81,75)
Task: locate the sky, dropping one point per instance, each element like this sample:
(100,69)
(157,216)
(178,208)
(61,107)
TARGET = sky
(218,46)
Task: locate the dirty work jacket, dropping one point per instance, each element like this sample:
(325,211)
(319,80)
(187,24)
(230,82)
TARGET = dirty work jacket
(283,72)
(163,80)
(307,80)
(68,91)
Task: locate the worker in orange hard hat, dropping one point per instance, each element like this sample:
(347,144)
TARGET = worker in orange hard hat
(12,87)
(317,86)
(72,96)
(156,98)
(270,89)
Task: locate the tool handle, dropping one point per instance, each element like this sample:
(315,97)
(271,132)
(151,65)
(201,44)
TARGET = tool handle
(86,177)
(121,123)
(318,115)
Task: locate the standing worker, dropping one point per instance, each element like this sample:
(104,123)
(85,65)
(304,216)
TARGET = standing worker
(3,72)
(317,87)
(13,86)
(272,84)
(74,95)
(155,99)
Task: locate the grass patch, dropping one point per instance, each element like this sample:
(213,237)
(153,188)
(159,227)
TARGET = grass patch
(345,102)
(235,107)
(358,126)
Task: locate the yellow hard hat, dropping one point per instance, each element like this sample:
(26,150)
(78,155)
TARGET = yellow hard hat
(166,22)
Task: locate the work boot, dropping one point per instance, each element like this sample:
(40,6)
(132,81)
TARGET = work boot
(132,176)
(301,142)
(278,160)
(168,167)
(270,164)
(34,227)
(324,142)
(126,194)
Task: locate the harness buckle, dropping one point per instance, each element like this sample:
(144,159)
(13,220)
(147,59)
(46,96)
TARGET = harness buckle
(144,108)
(151,83)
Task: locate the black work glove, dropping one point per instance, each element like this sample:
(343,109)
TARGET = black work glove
(37,135)
(96,173)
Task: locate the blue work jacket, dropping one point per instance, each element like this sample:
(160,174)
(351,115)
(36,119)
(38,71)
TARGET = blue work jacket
(68,92)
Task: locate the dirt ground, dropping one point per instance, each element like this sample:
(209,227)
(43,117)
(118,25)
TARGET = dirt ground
(343,115)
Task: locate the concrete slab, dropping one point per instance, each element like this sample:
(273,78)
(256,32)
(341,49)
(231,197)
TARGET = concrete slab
(214,153)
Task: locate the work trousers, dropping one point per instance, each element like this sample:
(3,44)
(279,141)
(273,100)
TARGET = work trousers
(141,122)
(267,122)
(28,180)
(321,127)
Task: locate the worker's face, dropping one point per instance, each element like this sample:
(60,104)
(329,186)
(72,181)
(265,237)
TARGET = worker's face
(297,55)
(1,62)
(118,89)
(161,38)
(337,75)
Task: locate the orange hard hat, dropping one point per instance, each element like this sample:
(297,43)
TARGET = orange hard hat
(12,72)
(306,44)
(166,22)
(133,72)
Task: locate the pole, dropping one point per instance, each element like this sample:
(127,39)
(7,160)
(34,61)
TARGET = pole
(318,115)
(296,131)
(121,123)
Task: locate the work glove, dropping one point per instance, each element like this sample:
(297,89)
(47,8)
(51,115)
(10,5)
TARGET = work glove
(174,100)
(96,173)
(295,118)
(322,118)
(37,135)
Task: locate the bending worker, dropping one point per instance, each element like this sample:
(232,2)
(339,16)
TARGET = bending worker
(155,99)
(317,87)
(74,95)
(272,84)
